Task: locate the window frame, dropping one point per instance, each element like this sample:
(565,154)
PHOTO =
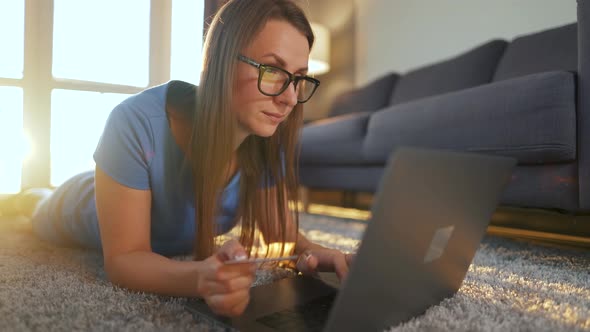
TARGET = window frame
(38,82)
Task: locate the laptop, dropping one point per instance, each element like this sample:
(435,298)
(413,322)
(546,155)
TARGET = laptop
(430,213)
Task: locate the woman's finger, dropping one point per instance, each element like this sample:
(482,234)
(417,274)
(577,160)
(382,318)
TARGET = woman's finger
(350,259)
(341,267)
(231,271)
(223,304)
(231,249)
(239,308)
(307,263)
(232,285)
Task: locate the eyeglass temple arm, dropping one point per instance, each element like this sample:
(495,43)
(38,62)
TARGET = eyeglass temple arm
(249,61)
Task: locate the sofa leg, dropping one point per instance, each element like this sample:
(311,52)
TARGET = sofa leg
(304,198)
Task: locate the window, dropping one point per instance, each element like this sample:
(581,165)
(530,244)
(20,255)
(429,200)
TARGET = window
(12,32)
(102,41)
(61,77)
(187,29)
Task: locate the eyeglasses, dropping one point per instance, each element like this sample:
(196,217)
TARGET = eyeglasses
(272,81)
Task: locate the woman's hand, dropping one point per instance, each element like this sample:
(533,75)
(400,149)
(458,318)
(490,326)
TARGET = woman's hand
(226,288)
(325,260)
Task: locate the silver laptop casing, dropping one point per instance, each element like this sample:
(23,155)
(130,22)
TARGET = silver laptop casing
(429,216)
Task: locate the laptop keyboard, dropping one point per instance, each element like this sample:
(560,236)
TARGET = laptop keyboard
(311,316)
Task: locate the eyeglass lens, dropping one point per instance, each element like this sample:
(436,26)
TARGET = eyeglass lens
(273,82)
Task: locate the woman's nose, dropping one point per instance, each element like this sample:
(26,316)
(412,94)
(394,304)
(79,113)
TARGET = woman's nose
(289,96)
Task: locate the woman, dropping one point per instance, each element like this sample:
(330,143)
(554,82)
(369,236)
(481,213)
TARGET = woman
(177,166)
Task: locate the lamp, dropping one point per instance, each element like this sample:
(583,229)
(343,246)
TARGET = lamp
(319,57)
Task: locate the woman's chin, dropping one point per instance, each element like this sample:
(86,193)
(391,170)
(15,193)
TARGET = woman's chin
(265,131)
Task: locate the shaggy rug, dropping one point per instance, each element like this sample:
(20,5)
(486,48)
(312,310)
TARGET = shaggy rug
(510,286)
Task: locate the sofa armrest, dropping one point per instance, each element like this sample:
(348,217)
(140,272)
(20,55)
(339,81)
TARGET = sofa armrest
(334,141)
(370,97)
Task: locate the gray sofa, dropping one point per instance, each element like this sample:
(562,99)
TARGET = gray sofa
(528,98)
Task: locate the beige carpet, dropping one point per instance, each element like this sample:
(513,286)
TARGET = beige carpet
(510,286)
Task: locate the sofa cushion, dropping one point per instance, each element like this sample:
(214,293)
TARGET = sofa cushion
(334,141)
(473,68)
(531,118)
(554,49)
(370,97)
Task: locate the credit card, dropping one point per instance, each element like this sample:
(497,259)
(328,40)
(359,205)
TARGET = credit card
(262,260)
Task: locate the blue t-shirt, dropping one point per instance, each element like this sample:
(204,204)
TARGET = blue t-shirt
(137,149)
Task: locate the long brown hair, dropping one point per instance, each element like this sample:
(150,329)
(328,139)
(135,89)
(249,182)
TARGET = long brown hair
(267,165)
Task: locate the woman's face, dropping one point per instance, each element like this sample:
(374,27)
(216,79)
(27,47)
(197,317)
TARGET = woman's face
(278,44)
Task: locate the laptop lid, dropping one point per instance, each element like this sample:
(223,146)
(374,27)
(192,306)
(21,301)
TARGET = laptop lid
(430,213)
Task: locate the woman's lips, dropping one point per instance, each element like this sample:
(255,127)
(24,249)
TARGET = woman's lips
(274,117)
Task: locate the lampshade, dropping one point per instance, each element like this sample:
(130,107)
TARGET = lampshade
(319,58)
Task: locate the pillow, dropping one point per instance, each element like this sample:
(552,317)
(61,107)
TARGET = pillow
(473,68)
(553,49)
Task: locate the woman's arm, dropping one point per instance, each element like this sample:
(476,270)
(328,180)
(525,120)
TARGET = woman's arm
(124,219)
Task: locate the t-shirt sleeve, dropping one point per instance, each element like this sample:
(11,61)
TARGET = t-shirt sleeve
(126,147)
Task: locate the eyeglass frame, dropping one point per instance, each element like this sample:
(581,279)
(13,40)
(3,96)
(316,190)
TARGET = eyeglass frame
(292,78)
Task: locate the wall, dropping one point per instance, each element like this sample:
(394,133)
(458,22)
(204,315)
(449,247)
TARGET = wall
(399,35)
(339,17)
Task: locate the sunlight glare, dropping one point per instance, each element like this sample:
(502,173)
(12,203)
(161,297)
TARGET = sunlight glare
(13,146)
(102,41)
(187,29)
(12,31)
(77,121)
